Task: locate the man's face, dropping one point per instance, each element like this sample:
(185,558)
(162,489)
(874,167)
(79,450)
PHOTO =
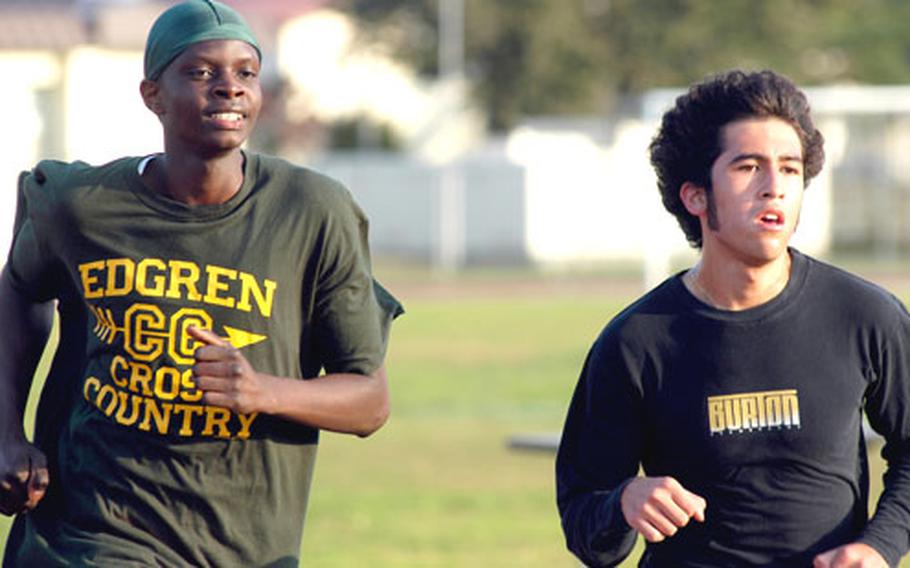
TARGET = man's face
(757,190)
(208,98)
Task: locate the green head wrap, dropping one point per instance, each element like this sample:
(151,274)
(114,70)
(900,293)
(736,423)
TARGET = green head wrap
(192,22)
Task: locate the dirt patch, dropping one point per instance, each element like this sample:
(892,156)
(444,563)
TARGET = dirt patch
(421,285)
(530,286)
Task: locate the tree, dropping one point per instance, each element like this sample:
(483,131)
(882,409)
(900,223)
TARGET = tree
(528,57)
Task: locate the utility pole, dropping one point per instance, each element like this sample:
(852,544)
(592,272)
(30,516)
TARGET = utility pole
(451,38)
(451,203)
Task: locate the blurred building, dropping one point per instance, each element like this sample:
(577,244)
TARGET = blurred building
(563,192)
(554,192)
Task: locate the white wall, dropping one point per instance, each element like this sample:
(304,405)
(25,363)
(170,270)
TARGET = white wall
(24,125)
(553,197)
(100,117)
(105,116)
(473,210)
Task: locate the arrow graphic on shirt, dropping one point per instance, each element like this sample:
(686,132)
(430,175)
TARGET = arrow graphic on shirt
(240,339)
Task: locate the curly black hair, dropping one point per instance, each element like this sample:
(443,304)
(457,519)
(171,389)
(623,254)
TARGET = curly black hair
(688,141)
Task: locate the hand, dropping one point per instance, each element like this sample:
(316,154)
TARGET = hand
(226,378)
(23,476)
(657,507)
(855,555)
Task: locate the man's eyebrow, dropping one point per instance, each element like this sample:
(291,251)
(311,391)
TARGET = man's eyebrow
(757,156)
(202,58)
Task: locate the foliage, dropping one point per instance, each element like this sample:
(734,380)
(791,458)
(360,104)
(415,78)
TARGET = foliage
(527,57)
(362,132)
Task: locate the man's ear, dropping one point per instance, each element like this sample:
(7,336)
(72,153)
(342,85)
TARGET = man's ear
(151,96)
(694,198)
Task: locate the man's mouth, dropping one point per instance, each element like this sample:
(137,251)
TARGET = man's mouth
(772,218)
(227,116)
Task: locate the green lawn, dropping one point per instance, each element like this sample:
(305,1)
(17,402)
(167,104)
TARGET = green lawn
(438,486)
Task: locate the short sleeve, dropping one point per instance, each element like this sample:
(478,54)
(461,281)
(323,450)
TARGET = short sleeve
(353,312)
(389,309)
(30,265)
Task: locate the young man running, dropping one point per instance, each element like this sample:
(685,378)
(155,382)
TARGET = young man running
(197,288)
(738,386)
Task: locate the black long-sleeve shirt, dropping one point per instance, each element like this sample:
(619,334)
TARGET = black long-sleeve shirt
(758,411)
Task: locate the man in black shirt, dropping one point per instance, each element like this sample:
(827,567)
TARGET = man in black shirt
(738,386)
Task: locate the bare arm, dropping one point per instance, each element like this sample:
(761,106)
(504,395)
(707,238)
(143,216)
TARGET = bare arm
(341,402)
(23,335)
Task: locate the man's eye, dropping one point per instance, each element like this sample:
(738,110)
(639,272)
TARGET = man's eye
(748,167)
(200,73)
(248,74)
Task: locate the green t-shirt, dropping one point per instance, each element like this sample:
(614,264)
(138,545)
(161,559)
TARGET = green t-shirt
(143,472)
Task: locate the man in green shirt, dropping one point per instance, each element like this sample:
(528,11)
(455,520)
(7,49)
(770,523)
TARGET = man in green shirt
(201,293)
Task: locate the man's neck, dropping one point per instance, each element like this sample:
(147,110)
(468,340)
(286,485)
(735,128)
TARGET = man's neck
(194,181)
(737,286)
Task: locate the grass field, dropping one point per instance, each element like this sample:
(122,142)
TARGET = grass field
(472,363)
(438,486)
